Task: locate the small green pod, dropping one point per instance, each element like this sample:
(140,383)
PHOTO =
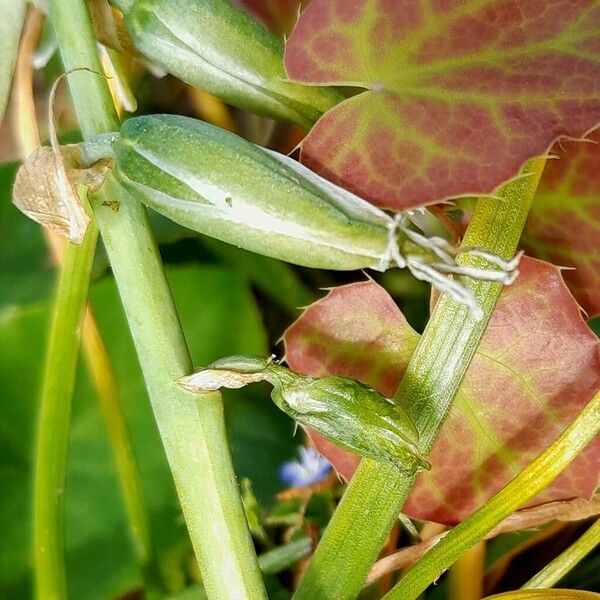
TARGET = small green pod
(354,417)
(212,45)
(344,411)
(218,184)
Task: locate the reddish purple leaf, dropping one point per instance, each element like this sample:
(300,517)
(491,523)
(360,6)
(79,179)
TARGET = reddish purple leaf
(536,368)
(371,340)
(564,223)
(459,93)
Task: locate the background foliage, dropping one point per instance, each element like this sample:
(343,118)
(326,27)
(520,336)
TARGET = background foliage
(231,301)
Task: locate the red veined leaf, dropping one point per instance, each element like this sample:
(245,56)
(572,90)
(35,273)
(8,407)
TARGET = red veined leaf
(459,93)
(356,330)
(564,223)
(277,15)
(537,366)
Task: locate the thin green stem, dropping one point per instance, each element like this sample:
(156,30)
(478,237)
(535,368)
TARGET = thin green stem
(378,491)
(102,375)
(530,482)
(553,572)
(53,425)
(192,429)
(283,557)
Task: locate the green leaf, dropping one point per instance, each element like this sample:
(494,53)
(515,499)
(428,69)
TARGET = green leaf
(101,561)
(459,94)
(26,274)
(274,278)
(283,557)
(11,23)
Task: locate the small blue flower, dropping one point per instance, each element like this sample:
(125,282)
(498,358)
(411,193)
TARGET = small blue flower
(311,468)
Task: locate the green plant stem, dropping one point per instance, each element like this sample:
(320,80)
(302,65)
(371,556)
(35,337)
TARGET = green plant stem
(532,480)
(53,424)
(283,557)
(103,377)
(553,572)
(192,429)
(377,491)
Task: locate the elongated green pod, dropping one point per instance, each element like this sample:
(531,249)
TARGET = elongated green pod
(344,411)
(216,183)
(11,23)
(212,45)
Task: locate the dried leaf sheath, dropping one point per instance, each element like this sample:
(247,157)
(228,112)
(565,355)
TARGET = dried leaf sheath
(45,186)
(52,200)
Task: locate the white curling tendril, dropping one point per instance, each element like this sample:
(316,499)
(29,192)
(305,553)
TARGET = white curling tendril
(437,272)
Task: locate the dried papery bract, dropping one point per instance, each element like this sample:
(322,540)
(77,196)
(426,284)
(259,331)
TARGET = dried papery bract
(346,412)
(45,185)
(109,27)
(39,195)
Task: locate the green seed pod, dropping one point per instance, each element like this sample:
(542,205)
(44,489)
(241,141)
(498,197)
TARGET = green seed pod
(212,45)
(346,412)
(218,184)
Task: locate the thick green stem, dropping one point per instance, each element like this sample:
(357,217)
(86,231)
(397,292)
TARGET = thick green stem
(192,429)
(53,424)
(535,478)
(377,491)
(553,572)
